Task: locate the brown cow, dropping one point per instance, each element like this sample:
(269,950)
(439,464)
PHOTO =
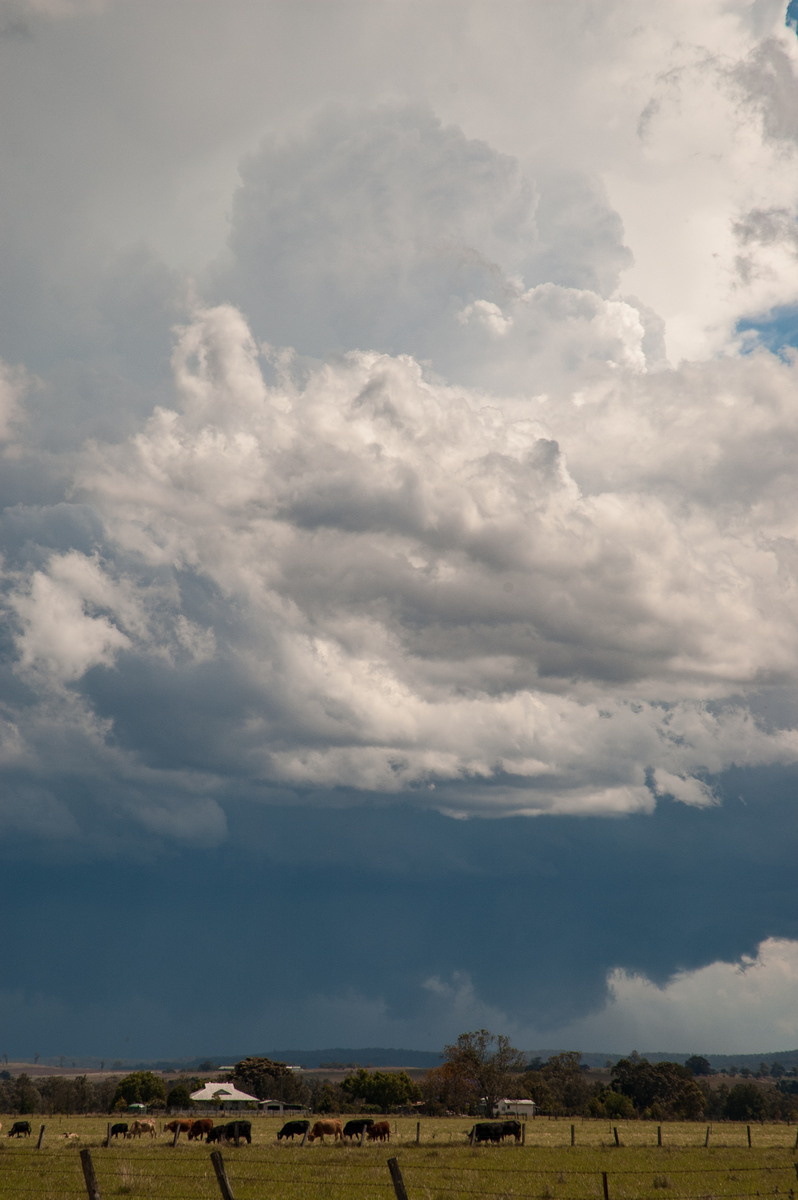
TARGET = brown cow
(333,1129)
(200,1127)
(184,1124)
(380,1131)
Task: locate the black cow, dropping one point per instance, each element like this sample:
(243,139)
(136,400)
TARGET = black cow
(217,1134)
(293,1129)
(358,1127)
(511,1129)
(20,1129)
(119,1130)
(238,1129)
(487,1131)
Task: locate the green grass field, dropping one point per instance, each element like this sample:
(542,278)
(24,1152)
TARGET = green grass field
(442,1166)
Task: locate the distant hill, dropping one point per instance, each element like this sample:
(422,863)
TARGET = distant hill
(342,1057)
(370,1056)
(718,1062)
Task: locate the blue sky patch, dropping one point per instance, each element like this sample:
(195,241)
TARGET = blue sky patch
(778,329)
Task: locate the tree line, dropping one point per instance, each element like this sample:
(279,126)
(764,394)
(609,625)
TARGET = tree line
(477,1070)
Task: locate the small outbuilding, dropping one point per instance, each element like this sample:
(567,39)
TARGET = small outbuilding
(515,1108)
(224,1096)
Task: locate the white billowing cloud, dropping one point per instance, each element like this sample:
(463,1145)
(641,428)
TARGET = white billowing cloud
(415,588)
(64,628)
(13,386)
(426,511)
(386,230)
(725,1007)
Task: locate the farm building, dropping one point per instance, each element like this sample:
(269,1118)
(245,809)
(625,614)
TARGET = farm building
(224,1096)
(515,1108)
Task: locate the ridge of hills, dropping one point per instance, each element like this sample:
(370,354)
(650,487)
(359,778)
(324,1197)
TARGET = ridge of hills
(342,1058)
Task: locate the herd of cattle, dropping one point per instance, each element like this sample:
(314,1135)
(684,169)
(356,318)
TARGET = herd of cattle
(374,1131)
(203,1128)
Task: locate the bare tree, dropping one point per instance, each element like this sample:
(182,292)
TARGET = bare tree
(487,1063)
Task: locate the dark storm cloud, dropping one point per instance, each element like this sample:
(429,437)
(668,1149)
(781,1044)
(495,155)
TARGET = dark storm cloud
(378,904)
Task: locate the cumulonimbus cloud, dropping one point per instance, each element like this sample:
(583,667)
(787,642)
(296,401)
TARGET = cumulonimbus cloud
(409,590)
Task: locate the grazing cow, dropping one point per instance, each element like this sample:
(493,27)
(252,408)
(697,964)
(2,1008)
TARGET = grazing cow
(20,1129)
(487,1131)
(238,1129)
(119,1130)
(379,1131)
(216,1134)
(293,1129)
(184,1124)
(140,1127)
(199,1128)
(70,1137)
(511,1129)
(358,1127)
(332,1129)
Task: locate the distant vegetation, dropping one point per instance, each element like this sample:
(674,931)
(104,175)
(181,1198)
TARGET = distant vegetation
(476,1071)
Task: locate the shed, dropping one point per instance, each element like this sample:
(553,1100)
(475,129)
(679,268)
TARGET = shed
(515,1108)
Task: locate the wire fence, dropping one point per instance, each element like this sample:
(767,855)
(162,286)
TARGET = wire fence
(263,1174)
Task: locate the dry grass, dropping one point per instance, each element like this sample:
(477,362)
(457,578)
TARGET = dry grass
(442,1166)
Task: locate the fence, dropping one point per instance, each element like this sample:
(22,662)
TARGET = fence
(296,1176)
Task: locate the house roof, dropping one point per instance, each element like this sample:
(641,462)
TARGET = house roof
(221,1092)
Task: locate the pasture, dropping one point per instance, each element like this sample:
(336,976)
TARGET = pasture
(441,1166)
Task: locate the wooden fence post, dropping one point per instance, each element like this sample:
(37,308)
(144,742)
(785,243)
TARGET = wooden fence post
(748,1129)
(605,1185)
(90,1178)
(706,1139)
(41,1138)
(418,1133)
(177,1135)
(398,1182)
(795,1147)
(573,1135)
(221,1175)
(659,1135)
(615,1131)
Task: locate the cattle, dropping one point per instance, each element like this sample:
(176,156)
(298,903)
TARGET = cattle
(119,1130)
(487,1131)
(511,1129)
(331,1129)
(379,1131)
(20,1129)
(70,1137)
(184,1124)
(216,1134)
(238,1129)
(141,1127)
(199,1128)
(293,1129)
(358,1127)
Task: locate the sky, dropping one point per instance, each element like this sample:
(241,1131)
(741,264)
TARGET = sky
(398,534)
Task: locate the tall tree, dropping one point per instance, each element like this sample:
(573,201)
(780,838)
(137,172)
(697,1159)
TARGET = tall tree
(380,1089)
(698,1065)
(486,1063)
(257,1075)
(140,1087)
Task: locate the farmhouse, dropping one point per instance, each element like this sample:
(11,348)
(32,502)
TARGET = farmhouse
(224,1096)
